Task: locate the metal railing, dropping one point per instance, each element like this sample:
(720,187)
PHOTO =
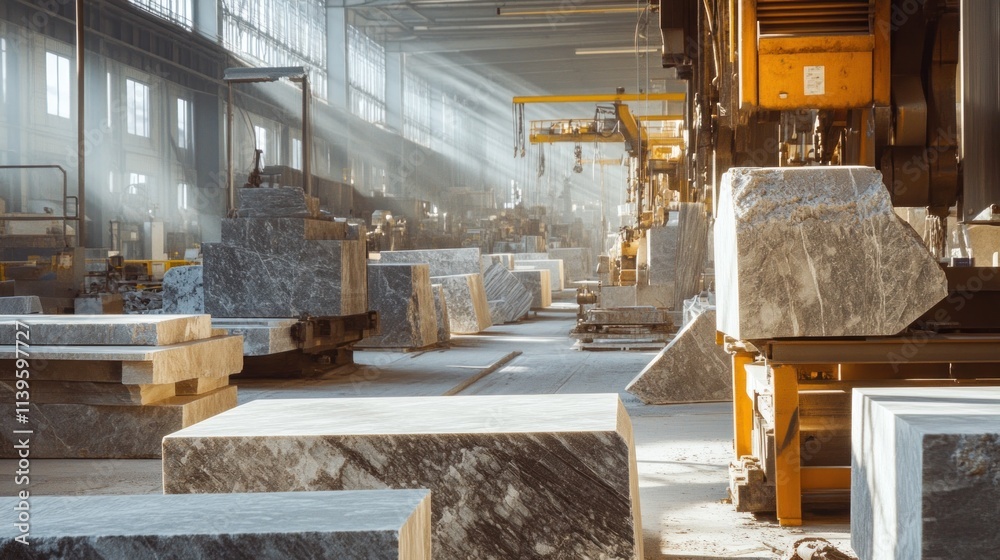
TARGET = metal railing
(44,217)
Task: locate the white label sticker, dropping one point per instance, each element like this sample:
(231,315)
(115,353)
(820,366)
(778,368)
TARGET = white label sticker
(815,80)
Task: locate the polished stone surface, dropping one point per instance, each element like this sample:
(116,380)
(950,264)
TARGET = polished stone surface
(20,305)
(142,365)
(289,202)
(70,431)
(468,308)
(504,287)
(692,368)
(106,330)
(442,262)
(817,252)
(369,525)
(402,296)
(261,337)
(511,476)
(538,284)
(557,276)
(184,290)
(925,472)
(577,263)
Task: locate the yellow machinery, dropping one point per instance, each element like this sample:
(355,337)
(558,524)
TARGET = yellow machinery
(858,82)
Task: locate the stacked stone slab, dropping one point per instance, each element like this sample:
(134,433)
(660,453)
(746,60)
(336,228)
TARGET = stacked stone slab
(278,260)
(111,387)
(576,262)
(402,296)
(261,337)
(692,368)
(370,525)
(513,301)
(465,296)
(441,313)
(442,262)
(817,252)
(538,284)
(510,476)
(557,277)
(924,472)
(20,305)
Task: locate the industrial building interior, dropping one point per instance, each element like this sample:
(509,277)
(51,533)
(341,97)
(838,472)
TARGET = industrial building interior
(581,279)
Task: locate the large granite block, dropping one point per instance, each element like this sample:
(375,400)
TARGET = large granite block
(106,330)
(401,293)
(81,431)
(143,365)
(184,290)
(468,308)
(502,286)
(273,235)
(676,254)
(925,473)
(511,476)
(441,313)
(692,368)
(618,296)
(577,262)
(371,525)
(20,305)
(817,252)
(554,266)
(285,202)
(442,262)
(538,284)
(261,337)
(507,259)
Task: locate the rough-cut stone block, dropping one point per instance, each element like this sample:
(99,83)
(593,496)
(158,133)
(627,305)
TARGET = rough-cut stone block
(107,330)
(200,385)
(285,202)
(99,304)
(925,473)
(274,235)
(20,305)
(511,476)
(71,431)
(577,262)
(504,287)
(143,365)
(507,259)
(442,262)
(985,242)
(538,284)
(402,296)
(261,337)
(468,309)
(87,392)
(692,368)
(184,290)
(554,266)
(817,252)
(370,525)
(617,296)
(655,296)
(532,256)
(441,313)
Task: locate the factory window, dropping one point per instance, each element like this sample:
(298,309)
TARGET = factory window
(295,156)
(135,182)
(416,109)
(3,69)
(366,76)
(184,119)
(138,108)
(260,140)
(107,122)
(57,86)
(111,181)
(177,11)
(182,196)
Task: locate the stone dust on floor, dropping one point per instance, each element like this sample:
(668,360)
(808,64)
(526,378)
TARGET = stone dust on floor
(682,450)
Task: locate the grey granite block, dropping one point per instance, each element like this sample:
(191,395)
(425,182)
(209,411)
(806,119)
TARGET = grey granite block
(442,262)
(184,290)
(817,252)
(84,431)
(498,311)
(501,285)
(532,256)
(261,337)
(468,308)
(402,296)
(538,284)
(554,266)
(692,237)
(274,235)
(285,202)
(441,313)
(369,525)
(20,305)
(692,368)
(577,262)
(925,472)
(106,330)
(617,296)
(524,476)
(507,259)
(87,392)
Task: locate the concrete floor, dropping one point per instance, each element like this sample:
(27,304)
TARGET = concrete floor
(682,450)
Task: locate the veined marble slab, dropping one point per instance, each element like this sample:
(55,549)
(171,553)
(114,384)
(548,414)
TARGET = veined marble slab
(468,308)
(79,431)
(442,262)
(538,284)
(261,337)
(817,252)
(557,276)
(276,202)
(511,476)
(441,313)
(369,525)
(184,290)
(401,293)
(692,368)
(925,473)
(501,285)
(106,330)
(211,357)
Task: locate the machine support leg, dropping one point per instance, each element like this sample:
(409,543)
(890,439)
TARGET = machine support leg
(742,406)
(788,486)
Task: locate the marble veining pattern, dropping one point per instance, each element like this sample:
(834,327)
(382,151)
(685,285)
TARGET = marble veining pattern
(538,285)
(442,262)
(468,308)
(402,296)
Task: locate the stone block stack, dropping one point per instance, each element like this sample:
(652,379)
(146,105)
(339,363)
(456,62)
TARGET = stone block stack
(111,387)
